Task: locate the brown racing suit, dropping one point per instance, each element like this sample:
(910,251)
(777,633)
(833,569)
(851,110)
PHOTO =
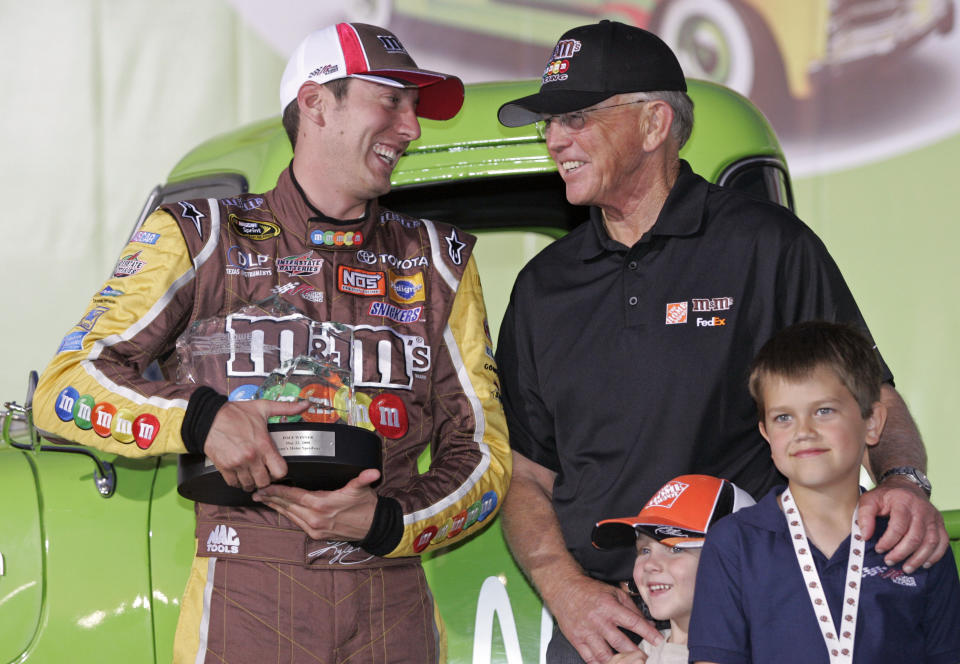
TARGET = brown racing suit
(423,369)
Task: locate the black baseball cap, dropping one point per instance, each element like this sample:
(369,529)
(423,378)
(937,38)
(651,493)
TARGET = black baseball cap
(594,62)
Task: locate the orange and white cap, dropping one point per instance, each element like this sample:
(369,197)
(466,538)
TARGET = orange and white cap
(374,54)
(679,514)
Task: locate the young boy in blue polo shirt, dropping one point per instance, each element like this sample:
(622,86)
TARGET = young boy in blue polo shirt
(791,579)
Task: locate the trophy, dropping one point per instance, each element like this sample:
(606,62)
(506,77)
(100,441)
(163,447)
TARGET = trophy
(325,446)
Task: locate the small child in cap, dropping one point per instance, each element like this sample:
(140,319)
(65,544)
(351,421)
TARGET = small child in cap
(668,533)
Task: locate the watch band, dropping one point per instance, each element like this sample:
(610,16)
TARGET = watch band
(911,473)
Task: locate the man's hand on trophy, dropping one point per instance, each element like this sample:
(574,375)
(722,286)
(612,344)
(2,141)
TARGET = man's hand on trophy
(343,515)
(240,447)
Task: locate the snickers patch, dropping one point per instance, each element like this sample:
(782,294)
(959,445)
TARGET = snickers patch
(395,313)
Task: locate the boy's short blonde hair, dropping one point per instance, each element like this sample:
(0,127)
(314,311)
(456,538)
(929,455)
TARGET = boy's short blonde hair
(795,352)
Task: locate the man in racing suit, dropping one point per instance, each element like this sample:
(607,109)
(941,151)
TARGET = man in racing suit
(309,575)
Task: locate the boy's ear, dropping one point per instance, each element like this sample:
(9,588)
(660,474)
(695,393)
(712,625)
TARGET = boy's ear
(763,430)
(875,422)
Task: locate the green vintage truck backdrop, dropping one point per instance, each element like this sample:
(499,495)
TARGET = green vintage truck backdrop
(102,97)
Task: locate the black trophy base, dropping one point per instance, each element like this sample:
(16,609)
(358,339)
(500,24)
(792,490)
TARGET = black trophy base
(319,457)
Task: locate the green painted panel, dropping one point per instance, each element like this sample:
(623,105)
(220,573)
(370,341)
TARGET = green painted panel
(21,554)
(96,573)
(172,545)
(951,519)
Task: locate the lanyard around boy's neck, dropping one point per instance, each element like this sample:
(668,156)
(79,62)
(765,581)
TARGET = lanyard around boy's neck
(840,647)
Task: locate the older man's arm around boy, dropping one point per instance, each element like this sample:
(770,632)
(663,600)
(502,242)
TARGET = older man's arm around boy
(919,532)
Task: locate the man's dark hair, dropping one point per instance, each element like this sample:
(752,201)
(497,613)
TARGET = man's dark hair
(291,114)
(796,352)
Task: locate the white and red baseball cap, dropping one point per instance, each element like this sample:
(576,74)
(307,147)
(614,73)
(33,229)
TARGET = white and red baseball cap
(679,514)
(374,54)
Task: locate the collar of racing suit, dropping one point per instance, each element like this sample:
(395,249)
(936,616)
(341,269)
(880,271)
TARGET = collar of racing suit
(318,216)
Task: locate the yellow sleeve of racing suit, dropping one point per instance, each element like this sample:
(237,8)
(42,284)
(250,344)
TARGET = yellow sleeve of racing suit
(473,448)
(93,391)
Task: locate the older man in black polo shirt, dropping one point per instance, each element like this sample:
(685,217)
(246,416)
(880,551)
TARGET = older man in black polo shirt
(625,346)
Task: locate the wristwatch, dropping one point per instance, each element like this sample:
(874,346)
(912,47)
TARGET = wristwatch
(911,473)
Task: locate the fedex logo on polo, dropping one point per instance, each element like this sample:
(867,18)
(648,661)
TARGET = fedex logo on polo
(716,321)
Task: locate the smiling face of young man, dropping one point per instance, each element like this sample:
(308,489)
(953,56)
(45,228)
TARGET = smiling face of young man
(364,135)
(816,431)
(665,577)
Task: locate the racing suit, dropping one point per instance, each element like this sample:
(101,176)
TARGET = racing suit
(260,589)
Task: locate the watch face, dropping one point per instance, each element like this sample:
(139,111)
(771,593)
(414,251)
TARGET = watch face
(915,475)
(923,479)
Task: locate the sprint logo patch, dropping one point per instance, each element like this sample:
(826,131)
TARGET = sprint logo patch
(255,230)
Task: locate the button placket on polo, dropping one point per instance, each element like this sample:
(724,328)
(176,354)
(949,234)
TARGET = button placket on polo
(632,287)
